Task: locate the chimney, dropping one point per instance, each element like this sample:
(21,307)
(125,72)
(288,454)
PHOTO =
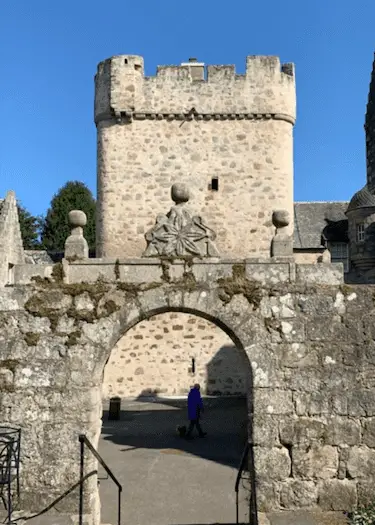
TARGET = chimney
(196,68)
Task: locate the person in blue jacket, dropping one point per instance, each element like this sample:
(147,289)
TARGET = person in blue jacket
(195,408)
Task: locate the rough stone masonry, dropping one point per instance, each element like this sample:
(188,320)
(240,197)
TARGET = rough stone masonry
(311,388)
(229,137)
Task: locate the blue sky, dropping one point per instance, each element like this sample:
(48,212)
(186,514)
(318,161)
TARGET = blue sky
(49,51)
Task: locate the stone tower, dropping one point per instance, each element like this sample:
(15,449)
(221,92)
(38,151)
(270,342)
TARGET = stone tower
(361,209)
(370,133)
(229,137)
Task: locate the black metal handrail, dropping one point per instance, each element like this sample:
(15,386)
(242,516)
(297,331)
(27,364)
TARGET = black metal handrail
(84,441)
(57,500)
(247,459)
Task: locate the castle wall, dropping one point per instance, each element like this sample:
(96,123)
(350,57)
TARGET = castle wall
(311,402)
(154,131)
(311,257)
(155,357)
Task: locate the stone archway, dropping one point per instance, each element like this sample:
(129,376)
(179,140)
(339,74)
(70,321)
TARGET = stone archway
(58,339)
(147,429)
(165,354)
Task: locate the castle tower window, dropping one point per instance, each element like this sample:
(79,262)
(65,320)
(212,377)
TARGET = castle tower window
(215,184)
(339,253)
(360,232)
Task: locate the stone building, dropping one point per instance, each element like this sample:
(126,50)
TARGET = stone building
(268,312)
(229,138)
(346,229)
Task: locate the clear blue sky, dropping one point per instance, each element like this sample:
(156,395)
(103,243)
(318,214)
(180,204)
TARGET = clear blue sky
(49,51)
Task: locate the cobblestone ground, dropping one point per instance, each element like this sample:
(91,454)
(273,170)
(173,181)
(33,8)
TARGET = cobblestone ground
(167,480)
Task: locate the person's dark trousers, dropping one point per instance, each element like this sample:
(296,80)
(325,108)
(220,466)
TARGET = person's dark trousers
(194,423)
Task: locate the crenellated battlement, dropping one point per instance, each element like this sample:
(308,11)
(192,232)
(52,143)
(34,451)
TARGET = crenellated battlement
(267,87)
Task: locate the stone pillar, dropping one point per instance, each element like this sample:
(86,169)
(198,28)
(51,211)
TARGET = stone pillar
(282,242)
(76,246)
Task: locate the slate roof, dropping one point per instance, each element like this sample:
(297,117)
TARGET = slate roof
(316,221)
(362,199)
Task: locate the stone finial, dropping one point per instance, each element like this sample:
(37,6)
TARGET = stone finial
(180,193)
(178,234)
(76,246)
(282,242)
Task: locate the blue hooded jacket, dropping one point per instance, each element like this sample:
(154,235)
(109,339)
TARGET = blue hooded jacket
(194,403)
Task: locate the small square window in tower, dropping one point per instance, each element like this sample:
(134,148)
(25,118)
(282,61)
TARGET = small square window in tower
(360,232)
(214,186)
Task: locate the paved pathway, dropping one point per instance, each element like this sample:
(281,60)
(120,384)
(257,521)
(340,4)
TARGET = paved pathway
(167,480)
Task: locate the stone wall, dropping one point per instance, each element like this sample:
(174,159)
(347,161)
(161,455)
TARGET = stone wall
(238,131)
(307,257)
(155,357)
(11,248)
(311,389)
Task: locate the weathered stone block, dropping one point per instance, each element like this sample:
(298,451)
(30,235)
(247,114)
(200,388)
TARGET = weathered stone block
(366,492)
(326,328)
(343,431)
(361,402)
(304,379)
(282,306)
(265,430)
(318,461)
(272,401)
(37,325)
(298,355)
(296,494)
(268,495)
(272,463)
(311,403)
(291,330)
(295,431)
(46,302)
(361,462)
(84,303)
(369,432)
(316,304)
(337,494)
(331,274)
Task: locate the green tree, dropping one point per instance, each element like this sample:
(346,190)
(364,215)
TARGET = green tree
(30,229)
(55,229)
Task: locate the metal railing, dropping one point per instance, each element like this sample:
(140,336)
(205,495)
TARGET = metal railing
(85,442)
(247,462)
(10,442)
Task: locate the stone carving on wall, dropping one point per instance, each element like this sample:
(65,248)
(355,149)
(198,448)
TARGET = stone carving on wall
(178,233)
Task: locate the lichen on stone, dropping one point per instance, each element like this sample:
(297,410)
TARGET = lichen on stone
(58,273)
(237,284)
(31,338)
(73,338)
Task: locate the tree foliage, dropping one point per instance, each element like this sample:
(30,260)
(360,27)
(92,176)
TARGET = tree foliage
(55,229)
(30,228)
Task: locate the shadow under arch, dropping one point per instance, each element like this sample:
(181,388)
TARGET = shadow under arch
(224,325)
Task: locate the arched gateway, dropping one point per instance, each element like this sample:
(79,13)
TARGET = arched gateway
(310,347)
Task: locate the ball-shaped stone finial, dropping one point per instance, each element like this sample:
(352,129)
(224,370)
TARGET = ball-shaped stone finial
(77,218)
(280,218)
(180,193)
